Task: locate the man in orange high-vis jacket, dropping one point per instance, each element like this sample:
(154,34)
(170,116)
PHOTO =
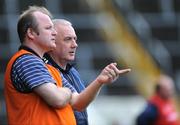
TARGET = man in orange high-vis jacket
(33,90)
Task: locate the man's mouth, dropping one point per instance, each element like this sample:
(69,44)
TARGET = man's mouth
(72,52)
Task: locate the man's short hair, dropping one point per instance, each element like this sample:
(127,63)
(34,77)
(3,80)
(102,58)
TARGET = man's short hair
(27,20)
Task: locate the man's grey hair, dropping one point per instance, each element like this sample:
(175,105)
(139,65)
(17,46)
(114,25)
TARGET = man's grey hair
(61,21)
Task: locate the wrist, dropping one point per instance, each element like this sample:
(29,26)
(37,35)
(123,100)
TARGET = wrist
(98,82)
(68,92)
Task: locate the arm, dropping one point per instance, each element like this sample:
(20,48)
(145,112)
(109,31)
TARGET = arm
(29,73)
(108,75)
(52,95)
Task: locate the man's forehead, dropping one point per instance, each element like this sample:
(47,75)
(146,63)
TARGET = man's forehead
(40,15)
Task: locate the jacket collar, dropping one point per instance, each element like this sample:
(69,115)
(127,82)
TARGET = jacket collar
(28,49)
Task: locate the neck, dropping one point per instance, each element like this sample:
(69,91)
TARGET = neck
(39,51)
(59,62)
(164,97)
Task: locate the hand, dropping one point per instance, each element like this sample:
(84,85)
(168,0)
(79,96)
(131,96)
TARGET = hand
(110,73)
(66,91)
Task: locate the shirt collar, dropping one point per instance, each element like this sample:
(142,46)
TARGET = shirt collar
(49,60)
(28,49)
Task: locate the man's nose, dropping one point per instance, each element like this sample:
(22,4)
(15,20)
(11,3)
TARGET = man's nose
(75,43)
(54,32)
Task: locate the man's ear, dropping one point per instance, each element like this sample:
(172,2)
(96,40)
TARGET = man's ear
(30,33)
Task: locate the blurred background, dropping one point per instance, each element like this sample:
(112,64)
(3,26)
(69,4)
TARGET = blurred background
(140,34)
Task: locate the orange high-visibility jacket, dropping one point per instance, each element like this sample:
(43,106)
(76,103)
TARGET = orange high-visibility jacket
(31,109)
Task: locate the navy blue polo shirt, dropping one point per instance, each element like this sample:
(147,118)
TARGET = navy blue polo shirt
(73,77)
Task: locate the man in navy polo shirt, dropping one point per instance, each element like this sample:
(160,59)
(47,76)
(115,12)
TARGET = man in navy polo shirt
(66,42)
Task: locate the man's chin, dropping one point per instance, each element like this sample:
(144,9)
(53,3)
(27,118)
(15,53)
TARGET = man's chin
(53,47)
(71,59)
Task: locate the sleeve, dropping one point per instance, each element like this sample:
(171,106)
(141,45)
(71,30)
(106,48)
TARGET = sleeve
(148,116)
(67,84)
(28,72)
